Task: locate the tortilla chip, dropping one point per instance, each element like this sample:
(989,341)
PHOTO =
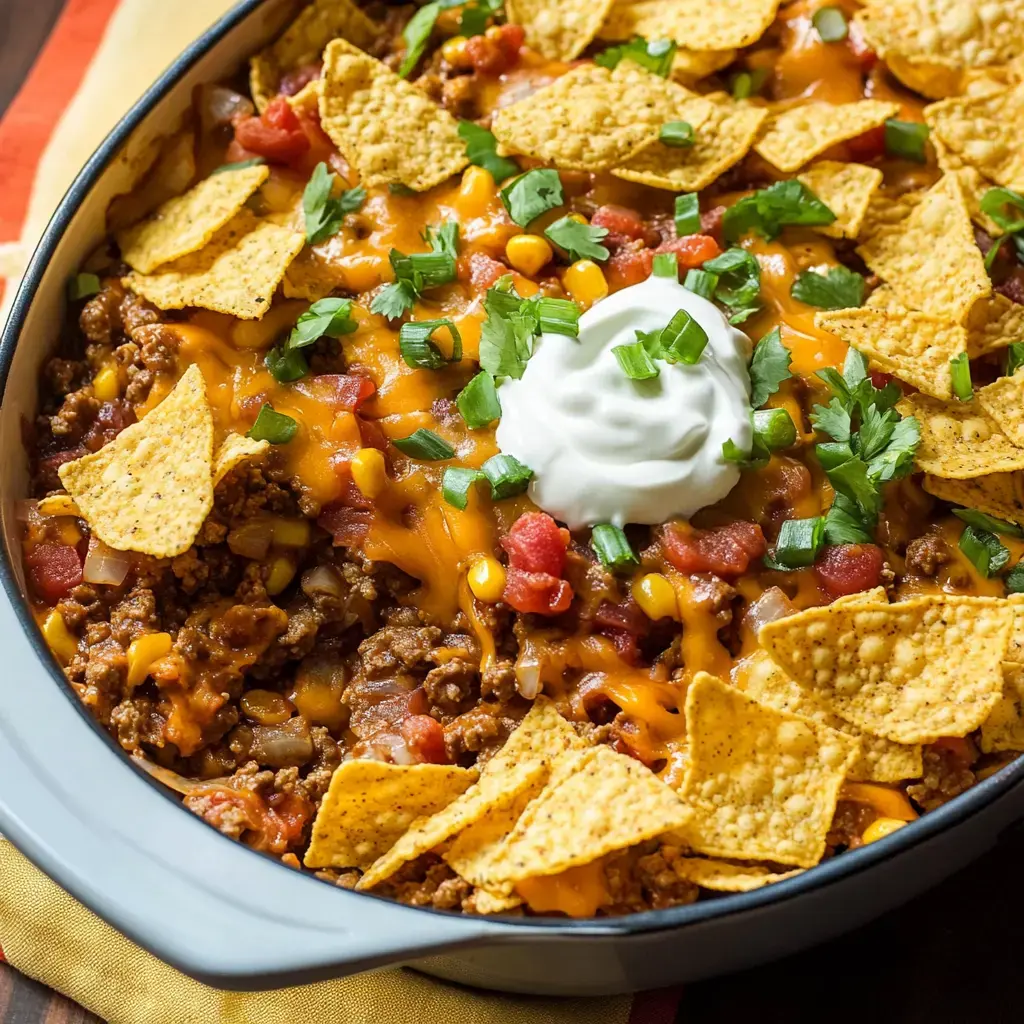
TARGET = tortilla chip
(996,323)
(1015,652)
(763,785)
(909,671)
(186,223)
(492,794)
(237,272)
(303,42)
(880,759)
(233,451)
(608,802)
(796,136)
(1003,400)
(883,298)
(589,119)
(876,595)
(558,29)
(1004,727)
(945,280)
(689,66)
(998,494)
(388,130)
(371,804)
(480,901)
(150,488)
(694,24)
(915,347)
(886,212)
(542,735)
(974,186)
(723,140)
(846,189)
(722,876)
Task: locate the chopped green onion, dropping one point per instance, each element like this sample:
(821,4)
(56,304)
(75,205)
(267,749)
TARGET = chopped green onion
(558,316)
(580,240)
(983,550)
(635,362)
(1014,357)
(838,288)
(906,139)
(481,149)
(683,339)
(83,286)
(286,364)
(327,318)
(612,547)
(678,134)
(419,351)
(666,264)
(532,194)
(478,401)
(423,269)
(830,24)
(687,214)
(775,428)
(960,369)
(655,55)
(799,542)
(507,475)
(748,83)
(425,445)
(272,426)
(1015,579)
(983,521)
(701,282)
(240,165)
(995,203)
(732,452)
(456,482)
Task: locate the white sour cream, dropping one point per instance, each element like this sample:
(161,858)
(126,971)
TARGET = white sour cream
(607,449)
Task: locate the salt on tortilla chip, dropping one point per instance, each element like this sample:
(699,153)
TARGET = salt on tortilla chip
(998,494)
(723,876)
(233,451)
(1003,400)
(543,735)
(371,804)
(915,347)
(590,119)
(796,136)
(995,323)
(763,785)
(1004,727)
(909,671)
(387,129)
(558,29)
(607,803)
(186,223)
(695,24)
(236,273)
(151,488)
(303,43)
(880,760)
(945,280)
(846,189)
(724,139)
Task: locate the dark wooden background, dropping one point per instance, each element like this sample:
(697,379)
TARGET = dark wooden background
(953,955)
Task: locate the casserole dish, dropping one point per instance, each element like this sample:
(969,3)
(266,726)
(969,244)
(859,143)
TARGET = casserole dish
(232,917)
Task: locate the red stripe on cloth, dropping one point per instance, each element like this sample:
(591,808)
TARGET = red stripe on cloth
(658,1006)
(50,86)
(3,957)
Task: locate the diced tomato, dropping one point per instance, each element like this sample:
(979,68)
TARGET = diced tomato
(619,220)
(869,146)
(691,250)
(275,134)
(424,737)
(344,392)
(858,45)
(625,645)
(724,550)
(372,435)
(536,592)
(284,821)
(711,223)
(536,544)
(482,271)
(625,617)
(497,51)
(880,378)
(346,525)
(628,267)
(53,569)
(849,568)
(295,81)
(959,747)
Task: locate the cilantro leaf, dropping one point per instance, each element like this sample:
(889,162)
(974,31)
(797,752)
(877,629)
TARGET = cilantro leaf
(852,479)
(417,34)
(769,367)
(580,241)
(395,300)
(768,210)
(983,521)
(327,318)
(476,15)
(532,194)
(444,238)
(844,525)
(896,460)
(838,288)
(1015,579)
(324,213)
(984,550)
(481,149)
(833,419)
(739,283)
(655,56)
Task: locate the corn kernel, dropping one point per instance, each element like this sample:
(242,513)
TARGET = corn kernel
(58,505)
(106,385)
(290,533)
(454,52)
(880,828)
(585,282)
(528,253)
(369,472)
(486,579)
(656,597)
(69,533)
(578,217)
(282,571)
(61,641)
(143,651)
(476,191)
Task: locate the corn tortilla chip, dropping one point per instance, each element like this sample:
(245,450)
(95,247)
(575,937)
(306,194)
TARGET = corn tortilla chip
(388,130)
(910,671)
(763,785)
(876,595)
(186,223)
(371,804)
(609,802)
(689,66)
(883,298)
(915,347)
(542,735)
(880,759)
(945,280)
(998,494)
(796,136)
(1004,727)
(846,189)
(973,184)
(886,212)
(558,29)
(233,451)
(1015,652)
(723,140)
(722,876)
(484,902)
(1003,400)
(995,323)
(695,24)
(150,488)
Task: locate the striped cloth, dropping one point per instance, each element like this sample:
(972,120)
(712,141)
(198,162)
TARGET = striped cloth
(100,58)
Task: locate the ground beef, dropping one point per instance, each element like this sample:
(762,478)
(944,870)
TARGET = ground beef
(397,647)
(848,825)
(645,877)
(450,685)
(944,777)
(427,882)
(100,319)
(714,596)
(498,681)
(481,730)
(926,554)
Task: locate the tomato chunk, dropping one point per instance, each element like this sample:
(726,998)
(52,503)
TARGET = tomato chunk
(424,738)
(344,392)
(619,220)
(869,146)
(53,569)
(482,270)
(275,134)
(497,51)
(535,544)
(346,525)
(691,250)
(849,568)
(628,267)
(859,47)
(537,592)
(725,550)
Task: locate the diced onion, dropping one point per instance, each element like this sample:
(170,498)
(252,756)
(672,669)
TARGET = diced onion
(771,605)
(389,746)
(322,580)
(252,539)
(528,681)
(282,746)
(104,565)
(219,106)
(172,780)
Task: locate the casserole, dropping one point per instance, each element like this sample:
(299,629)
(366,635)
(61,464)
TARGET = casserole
(172,883)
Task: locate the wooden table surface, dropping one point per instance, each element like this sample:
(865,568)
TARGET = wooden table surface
(953,955)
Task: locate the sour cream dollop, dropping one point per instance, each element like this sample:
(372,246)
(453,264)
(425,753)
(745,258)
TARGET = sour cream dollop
(607,449)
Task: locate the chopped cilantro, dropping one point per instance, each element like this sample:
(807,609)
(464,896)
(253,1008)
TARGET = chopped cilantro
(581,241)
(769,210)
(418,271)
(481,149)
(769,367)
(983,550)
(739,283)
(323,212)
(532,194)
(837,288)
(655,55)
